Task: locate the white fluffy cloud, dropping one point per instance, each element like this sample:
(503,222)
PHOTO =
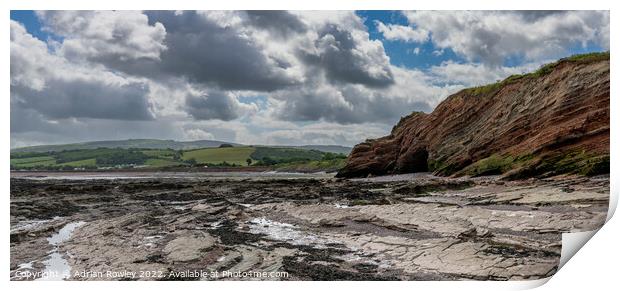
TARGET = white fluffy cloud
(198,134)
(475,74)
(104,34)
(401,32)
(492,36)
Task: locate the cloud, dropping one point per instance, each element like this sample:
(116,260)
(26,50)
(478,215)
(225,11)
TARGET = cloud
(282,23)
(60,89)
(415,51)
(221,56)
(347,59)
(349,105)
(260,130)
(304,77)
(493,36)
(216,105)
(210,48)
(324,133)
(87,98)
(26,119)
(413,91)
(125,35)
(198,134)
(29,127)
(225,51)
(401,32)
(475,74)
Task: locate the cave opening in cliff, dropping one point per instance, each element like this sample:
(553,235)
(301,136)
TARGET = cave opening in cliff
(415,162)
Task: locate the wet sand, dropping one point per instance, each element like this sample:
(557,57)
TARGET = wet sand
(270,226)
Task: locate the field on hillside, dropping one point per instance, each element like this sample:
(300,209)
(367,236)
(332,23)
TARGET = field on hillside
(285,154)
(105,158)
(230,155)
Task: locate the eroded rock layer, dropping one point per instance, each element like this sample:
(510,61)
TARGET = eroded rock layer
(552,121)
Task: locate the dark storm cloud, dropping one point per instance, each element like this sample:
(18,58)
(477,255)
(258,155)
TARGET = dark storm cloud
(188,45)
(206,50)
(206,53)
(28,127)
(86,98)
(283,23)
(215,105)
(25,120)
(58,89)
(339,58)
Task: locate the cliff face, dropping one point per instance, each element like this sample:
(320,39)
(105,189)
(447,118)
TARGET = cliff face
(552,121)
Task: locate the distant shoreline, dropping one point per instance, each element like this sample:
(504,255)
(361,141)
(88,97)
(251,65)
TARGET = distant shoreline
(150,170)
(177,172)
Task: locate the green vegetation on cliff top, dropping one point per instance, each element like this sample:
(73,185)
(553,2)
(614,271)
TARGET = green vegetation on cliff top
(542,71)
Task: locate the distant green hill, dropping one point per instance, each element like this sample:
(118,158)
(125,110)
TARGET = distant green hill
(163,144)
(125,144)
(225,155)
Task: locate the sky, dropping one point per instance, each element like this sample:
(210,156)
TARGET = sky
(266,77)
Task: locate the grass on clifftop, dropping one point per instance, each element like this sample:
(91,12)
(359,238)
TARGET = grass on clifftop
(542,71)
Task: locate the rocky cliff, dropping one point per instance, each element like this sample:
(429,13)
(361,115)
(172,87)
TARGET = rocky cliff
(552,121)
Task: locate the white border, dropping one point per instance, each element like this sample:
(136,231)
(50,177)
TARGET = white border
(594,266)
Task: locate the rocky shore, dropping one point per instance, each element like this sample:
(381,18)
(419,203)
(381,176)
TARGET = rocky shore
(418,227)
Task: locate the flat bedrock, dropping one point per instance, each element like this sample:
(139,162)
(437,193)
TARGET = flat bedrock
(385,228)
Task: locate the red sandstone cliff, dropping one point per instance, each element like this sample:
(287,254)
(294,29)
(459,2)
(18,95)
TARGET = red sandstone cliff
(552,121)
